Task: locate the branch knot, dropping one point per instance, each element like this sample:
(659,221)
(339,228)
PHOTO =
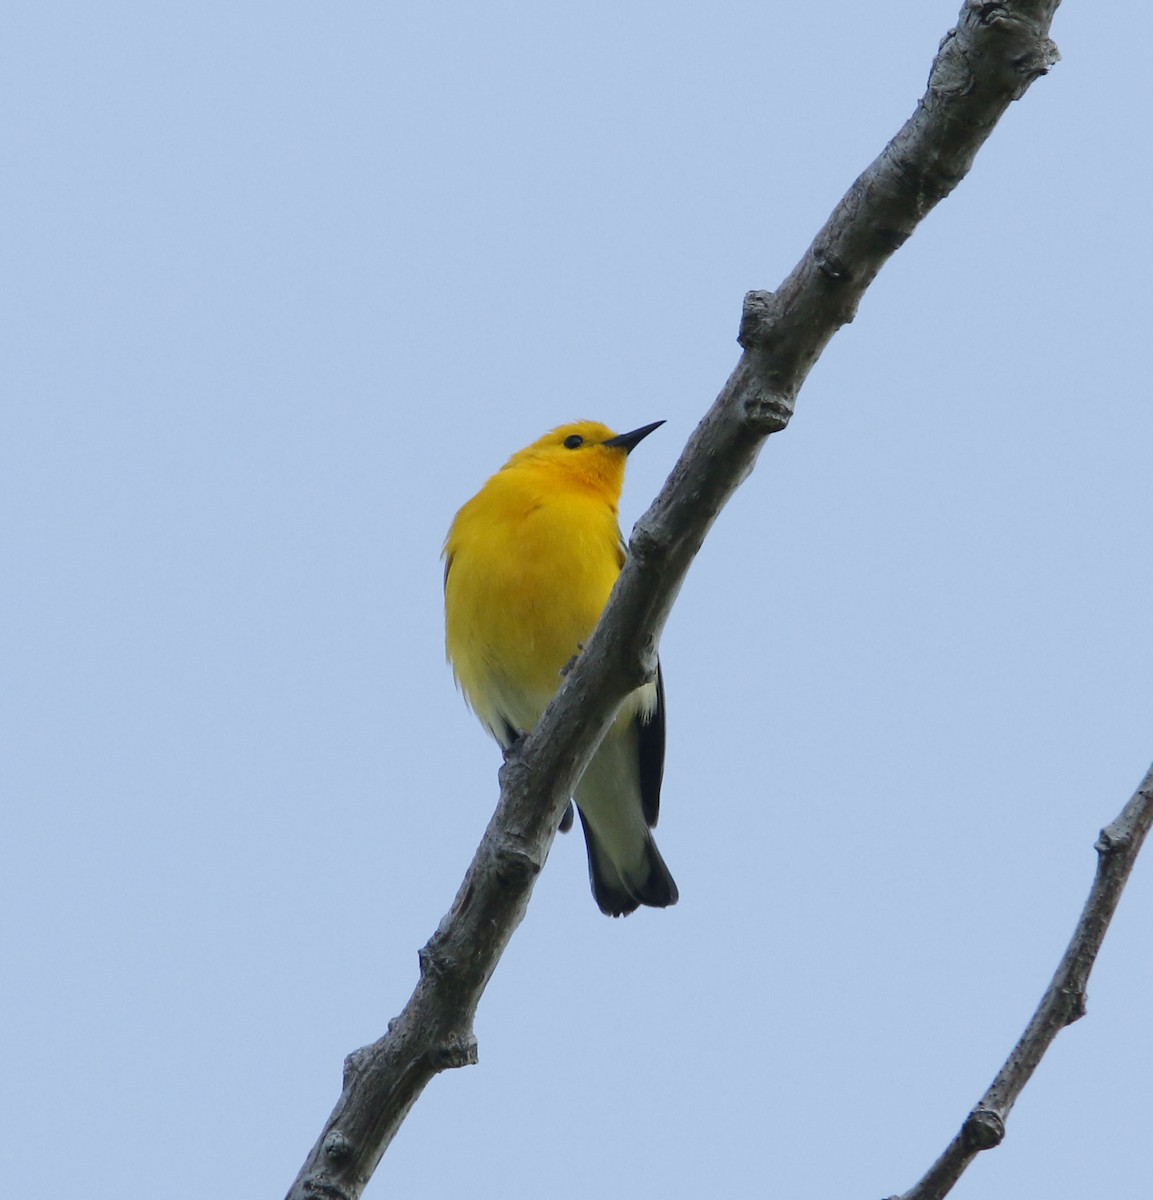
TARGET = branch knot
(830,266)
(457,1051)
(644,544)
(359,1059)
(514,865)
(337,1147)
(983,1129)
(314,1185)
(1110,841)
(988,14)
(756,320)
(768,411)
(1076,1002)
(433,961)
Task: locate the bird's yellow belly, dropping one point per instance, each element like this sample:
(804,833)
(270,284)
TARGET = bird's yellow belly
(521,604)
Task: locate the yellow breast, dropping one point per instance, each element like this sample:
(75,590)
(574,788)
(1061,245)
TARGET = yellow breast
(530,563)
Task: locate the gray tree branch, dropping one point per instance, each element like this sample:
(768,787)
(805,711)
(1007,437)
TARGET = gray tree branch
(988,60)
(1062,1004)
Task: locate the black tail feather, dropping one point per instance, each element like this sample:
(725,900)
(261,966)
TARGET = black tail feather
(616,894)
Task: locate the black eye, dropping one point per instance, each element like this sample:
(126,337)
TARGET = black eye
(573,441)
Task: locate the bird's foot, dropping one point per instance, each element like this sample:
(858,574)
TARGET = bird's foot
(513,748)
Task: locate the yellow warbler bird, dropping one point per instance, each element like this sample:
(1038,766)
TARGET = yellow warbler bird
(528,566)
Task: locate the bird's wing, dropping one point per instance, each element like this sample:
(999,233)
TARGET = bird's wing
(650,737)
(651,747)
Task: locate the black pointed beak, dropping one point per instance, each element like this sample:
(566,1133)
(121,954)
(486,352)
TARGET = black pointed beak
(626,441)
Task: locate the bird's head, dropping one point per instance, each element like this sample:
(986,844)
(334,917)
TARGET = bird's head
(586,453)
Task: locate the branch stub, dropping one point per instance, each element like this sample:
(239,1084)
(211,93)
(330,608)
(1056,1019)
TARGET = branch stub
(983,1129)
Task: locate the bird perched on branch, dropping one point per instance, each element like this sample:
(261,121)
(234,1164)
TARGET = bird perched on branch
(529,564)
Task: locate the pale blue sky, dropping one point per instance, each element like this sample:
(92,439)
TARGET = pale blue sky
(284,283)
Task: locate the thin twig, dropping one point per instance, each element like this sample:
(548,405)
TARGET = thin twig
(1062,1004)
(986,62)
